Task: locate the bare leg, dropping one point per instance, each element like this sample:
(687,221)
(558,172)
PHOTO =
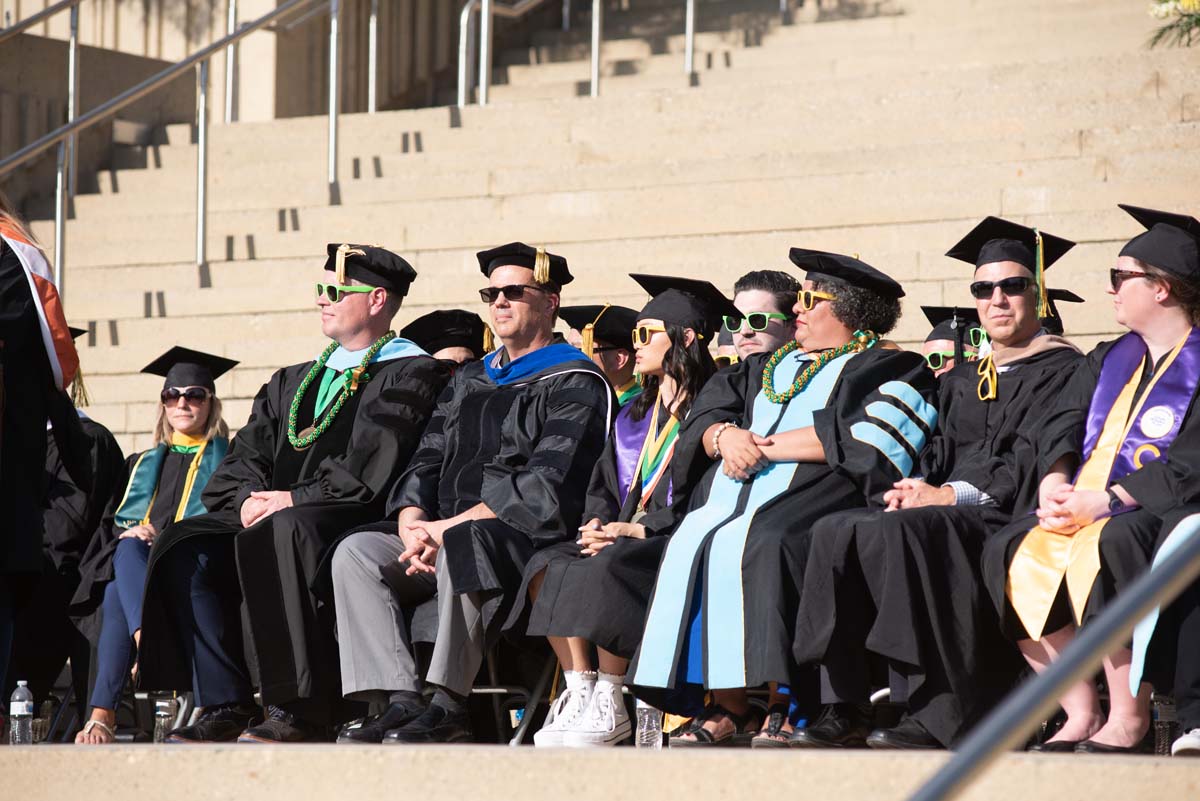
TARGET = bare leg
(611,663)
(1128,715)
(1080,702)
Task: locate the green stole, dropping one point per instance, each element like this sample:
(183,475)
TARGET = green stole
(142,488)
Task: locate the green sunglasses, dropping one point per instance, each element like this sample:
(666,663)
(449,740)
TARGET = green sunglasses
(758,321)
(336,292)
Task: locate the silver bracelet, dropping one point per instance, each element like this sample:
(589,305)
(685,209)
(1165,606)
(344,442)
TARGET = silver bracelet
(716,443)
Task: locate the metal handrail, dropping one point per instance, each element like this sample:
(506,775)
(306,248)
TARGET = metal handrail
(489,9)
(43,15)
(1015,719)
(199,59)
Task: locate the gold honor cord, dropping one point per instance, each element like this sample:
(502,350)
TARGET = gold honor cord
(588,334)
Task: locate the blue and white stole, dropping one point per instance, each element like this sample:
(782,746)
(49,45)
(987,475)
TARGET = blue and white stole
(722,618)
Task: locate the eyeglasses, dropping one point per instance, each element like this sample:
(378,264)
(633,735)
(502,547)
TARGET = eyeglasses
(643,333)
(937,359)
(189,394)
(758,321)
(489,294)
(606,348)
(1117,277)
(725,361)
(807,298)
(982,290)
(336,292)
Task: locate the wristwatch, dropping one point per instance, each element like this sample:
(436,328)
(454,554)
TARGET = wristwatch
(1115,504)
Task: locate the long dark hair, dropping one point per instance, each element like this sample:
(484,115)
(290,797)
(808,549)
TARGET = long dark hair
(690,365)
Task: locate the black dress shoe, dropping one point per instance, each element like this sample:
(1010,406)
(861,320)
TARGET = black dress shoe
(909,735)
(1093,747)
(216,724)
(1055,747)
(372,729)
(282,726)
(435,725)
(839,726)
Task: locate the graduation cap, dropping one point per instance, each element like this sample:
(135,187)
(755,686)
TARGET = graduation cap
(685,302)
(1054,323)
(374,266)
(724,338)
(838,269)
(952,323)
(996,239)
(184,367)
(1171,242)
(547,268)
(606,323)
(76,333)
(450,328)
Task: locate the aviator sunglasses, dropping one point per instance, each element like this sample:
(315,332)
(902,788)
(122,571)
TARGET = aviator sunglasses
(336,292)
(758,321)
(982,290)
(489,294)
(190,394)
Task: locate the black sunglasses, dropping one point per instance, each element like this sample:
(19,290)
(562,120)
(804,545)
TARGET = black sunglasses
(190,394)
(1117,277)
(982,290)
(489,294)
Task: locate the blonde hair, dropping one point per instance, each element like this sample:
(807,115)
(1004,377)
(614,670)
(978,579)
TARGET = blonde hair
(216,426)
(8,211)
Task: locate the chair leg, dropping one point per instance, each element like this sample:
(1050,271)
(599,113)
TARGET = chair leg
(535,698)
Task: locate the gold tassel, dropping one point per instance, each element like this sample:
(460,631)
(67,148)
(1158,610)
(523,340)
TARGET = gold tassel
(541,267)
(79,393)
(987,377)
(588,334)
(1044,309)
(340,261)
(489,339)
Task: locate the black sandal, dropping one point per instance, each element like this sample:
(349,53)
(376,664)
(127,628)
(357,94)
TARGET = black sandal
(705,738)
(772,735)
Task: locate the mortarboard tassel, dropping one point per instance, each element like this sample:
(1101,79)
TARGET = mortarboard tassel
(588,334)
(79,393)
(343,251)
(541,267)
(489,340)
(1044,309)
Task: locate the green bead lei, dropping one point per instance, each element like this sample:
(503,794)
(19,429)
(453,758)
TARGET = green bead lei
(861,341)
(358,376)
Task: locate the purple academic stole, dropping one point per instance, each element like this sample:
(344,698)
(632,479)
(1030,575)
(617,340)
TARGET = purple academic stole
(628,436)
(1159,417)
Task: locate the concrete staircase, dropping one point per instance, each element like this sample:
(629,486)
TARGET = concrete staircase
(887,135)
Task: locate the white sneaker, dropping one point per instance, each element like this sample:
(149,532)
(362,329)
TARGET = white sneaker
(570,705)
(1187,745)
(605,722)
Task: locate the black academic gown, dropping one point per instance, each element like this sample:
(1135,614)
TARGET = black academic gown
(44,635)
(767,573)
(603,598)
(525,450)
(905,585)
(1128,541)
(339,482)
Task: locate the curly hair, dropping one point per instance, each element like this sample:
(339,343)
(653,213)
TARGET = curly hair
(690,365)
(861,309)
(780,284)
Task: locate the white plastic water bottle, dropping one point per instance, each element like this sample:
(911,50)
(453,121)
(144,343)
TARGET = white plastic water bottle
(20,716)
(649,727)
(165,710)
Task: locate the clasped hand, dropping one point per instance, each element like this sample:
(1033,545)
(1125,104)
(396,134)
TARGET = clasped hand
(1064,509)
(741,453)
(594,537)
(261,505)
(913,493)
(422,540)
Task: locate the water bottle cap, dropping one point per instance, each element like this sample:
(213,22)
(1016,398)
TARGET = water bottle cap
(22,684)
